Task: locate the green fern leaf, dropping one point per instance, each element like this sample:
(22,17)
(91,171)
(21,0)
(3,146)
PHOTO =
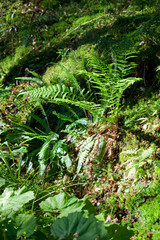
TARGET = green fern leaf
(50,92)
(63,117)
(44,152)
(93,108)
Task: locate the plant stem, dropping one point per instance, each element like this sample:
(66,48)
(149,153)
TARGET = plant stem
(4,234)
(6,163)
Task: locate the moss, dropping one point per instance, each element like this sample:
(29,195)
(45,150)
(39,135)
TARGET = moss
(148,220)
(73,61)
(10,61)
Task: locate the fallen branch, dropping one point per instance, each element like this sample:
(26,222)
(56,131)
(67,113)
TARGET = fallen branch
(83,24)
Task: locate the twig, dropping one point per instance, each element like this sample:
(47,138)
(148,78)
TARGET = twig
(56,191)
(83,24)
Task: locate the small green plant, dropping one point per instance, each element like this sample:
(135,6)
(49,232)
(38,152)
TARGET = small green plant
(50,151)
(15,156)
(66,132)
(138,163)
(63,204)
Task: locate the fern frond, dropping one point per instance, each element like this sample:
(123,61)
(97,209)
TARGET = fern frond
(37,78)
(85,149)
(45,147)
(63,117)
(93,108)
(50,92)
(44,152)
(42,122)
(108,82)
(33,79)
(4,92)
(61,94)
(36,75)
(112,80)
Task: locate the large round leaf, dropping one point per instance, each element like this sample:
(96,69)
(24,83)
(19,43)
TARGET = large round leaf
(25,224)
(76,226)
(65,205)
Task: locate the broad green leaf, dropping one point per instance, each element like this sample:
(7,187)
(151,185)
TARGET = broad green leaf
(73,204)
(52,203)
(75,226)
(88,206)
(66,205)
(8,226)
(100,217)
(117,232)
(21,225)
(11,201)
(25,224)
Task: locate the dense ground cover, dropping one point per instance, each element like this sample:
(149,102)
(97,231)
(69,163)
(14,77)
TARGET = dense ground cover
(80,120)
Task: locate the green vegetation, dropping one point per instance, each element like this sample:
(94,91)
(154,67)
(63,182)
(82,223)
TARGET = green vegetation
(79,120)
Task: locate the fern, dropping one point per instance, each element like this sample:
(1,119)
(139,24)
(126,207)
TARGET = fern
(63,117)
(92,107)
(44,152)
(111,81)
(61,95)
(51,92)
(4,92)
(37,78)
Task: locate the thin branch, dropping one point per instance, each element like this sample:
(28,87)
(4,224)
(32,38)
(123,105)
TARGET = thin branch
(83,24)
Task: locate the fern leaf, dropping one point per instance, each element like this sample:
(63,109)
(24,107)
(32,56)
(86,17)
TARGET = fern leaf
(85,149)
(51,92)
(110,82)
(41,121)
(92,107)
(63,117)
(36,75)
(44,152)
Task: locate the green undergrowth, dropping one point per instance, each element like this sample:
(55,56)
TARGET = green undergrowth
(79,120)
(145,114)
(50,28)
